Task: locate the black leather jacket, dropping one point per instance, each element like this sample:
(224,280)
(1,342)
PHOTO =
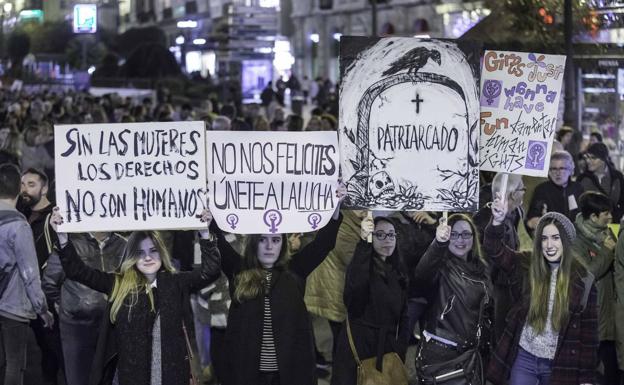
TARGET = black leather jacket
(457,291)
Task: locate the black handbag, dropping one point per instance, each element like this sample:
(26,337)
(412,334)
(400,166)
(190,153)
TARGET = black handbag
(464,369)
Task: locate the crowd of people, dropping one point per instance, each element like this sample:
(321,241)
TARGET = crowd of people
(135,308)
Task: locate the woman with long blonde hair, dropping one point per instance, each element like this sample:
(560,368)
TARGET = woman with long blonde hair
(551,336)
(143,341)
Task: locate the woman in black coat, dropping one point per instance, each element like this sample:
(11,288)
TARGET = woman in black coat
(375,295)
(456,323)
(142,341)
(269,339)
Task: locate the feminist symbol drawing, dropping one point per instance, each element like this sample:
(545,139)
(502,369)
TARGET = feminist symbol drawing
(314,219)
(232,220)
(272,218)
(536,155)
(491,91)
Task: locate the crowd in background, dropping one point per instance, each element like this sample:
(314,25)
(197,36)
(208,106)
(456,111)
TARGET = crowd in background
(527,290)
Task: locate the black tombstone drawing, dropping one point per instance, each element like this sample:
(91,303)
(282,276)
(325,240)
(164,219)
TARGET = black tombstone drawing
(372,186)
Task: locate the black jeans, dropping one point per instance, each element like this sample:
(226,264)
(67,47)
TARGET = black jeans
(49,342)
(13,339)
(269,378)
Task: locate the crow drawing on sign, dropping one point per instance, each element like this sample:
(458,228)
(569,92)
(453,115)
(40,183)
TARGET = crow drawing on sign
(414,60)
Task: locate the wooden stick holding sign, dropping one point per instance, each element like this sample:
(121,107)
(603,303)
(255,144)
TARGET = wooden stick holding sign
(369,216)
(503,187)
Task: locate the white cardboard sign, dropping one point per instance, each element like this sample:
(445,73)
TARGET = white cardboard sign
(130,176)
(272,182)
(409,115)
(520,94)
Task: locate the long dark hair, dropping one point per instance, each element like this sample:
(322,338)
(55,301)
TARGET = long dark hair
(476,245)
(249,282)
(539,281)
(395,259)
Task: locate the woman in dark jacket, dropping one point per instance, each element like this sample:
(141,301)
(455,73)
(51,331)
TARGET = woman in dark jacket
(142,341)
(551,336)
(269,338)
(457,319)
(375,295)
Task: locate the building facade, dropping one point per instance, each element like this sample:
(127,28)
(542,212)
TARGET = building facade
(321,23)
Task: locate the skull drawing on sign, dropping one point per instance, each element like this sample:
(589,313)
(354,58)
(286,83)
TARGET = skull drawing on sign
(381,186)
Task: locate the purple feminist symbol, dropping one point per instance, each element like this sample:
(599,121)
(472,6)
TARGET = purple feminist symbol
(314,219)
(272,218)
(536,155)
(491,90)
(232,220)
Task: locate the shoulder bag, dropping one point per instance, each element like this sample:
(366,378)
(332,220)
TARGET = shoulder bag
(393,371)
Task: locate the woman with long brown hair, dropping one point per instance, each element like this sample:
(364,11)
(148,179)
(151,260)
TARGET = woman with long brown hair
(269,338)
(551,337)
(143,339)
(456,278)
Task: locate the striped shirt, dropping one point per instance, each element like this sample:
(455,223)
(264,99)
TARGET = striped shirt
(268,355)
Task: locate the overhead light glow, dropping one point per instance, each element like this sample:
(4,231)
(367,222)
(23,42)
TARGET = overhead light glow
(180,40)
(315,38)
(187,24)
(199,41)
(337,36)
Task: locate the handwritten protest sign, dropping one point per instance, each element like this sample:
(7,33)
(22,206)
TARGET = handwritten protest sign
(135,176)
(272,182)
(519,103)
(409,114)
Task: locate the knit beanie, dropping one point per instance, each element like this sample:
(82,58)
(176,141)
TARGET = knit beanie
(567,225)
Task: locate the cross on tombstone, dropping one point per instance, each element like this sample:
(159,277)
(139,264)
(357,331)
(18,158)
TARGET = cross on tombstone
(418,100)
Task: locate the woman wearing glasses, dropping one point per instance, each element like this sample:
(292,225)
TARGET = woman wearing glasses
(375,295)
(456,322)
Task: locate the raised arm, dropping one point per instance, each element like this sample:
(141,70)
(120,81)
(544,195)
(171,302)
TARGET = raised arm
(493,246)
(357,279)
(76,270)
(314,253)
(231,261)
(210,260)
(73,266)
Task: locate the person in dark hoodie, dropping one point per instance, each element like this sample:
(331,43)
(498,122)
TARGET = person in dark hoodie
(601,176)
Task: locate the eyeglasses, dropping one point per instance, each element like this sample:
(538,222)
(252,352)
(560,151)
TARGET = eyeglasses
(381,235)
(589,157)
(520,190)
(463,235)
(558,169)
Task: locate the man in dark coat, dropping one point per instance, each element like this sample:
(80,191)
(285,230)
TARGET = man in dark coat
(559,193)
(601,176)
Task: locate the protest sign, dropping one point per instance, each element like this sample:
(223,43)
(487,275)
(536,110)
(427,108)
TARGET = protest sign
(272,182)
(130,176)
(519,103)
(409,114)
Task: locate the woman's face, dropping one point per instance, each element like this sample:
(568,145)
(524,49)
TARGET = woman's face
(461,240)
(269,248)
(149,258)
(552,247)
(384,239)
